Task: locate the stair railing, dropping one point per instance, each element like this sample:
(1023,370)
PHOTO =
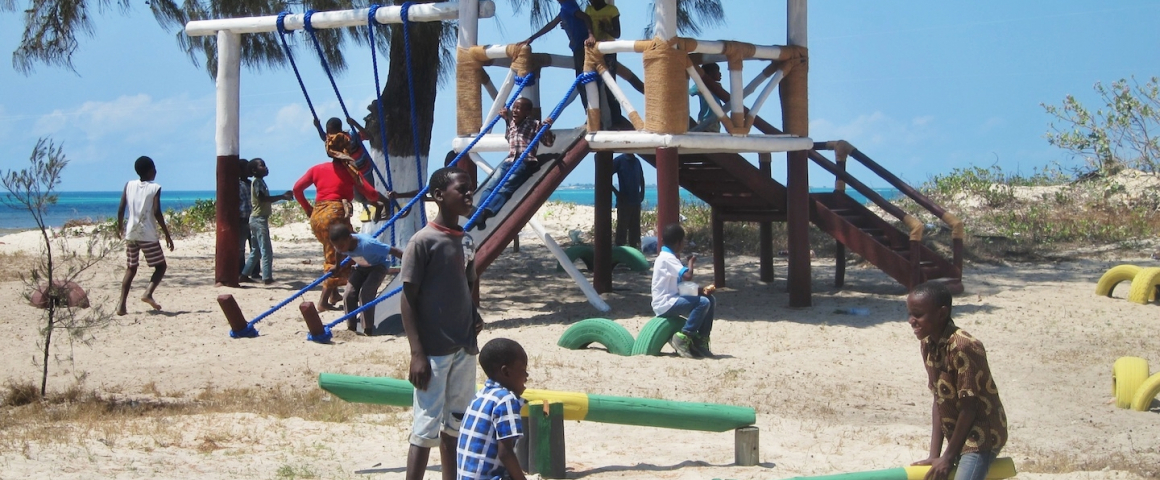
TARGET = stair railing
(843,148)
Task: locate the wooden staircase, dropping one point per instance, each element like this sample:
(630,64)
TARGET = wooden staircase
(739,191)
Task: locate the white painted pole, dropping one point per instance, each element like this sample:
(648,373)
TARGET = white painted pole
(468,23)
(532,92)
(610,82)
(796,28)
(634,140)
(229,50)
(593,97)
(500,98)
(423,12)
(736,93)
(765,92)
(709,97)
(756,82)
(561,256)
(666,17)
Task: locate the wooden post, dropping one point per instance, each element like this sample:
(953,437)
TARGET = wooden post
(839,247)
(232,312)
(313,322)
(765,161)
(746,446)
(796,121)
(602,228)
(227,256)
(718,248)
(668,188)
(546,439)
(522,446)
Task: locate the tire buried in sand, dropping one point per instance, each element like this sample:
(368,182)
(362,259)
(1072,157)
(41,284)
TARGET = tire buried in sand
(606,332)
(1115,276)
(1128,373)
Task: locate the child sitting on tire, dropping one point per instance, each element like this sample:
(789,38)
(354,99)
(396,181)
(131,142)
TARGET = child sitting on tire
(668,272)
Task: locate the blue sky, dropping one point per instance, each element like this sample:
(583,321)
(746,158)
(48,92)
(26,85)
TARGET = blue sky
(922,87)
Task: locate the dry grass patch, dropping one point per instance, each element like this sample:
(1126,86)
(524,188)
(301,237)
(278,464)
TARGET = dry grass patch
(1066,462)
(15,264)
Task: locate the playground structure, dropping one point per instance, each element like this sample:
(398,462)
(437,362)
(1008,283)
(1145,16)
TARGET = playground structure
(706,164)
(1145,282)
(617,339)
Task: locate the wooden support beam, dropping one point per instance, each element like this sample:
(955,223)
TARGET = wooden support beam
(746,446)
(765,242)
(718,248)
(668,188)
(545,432)
(227,255)
(602,227)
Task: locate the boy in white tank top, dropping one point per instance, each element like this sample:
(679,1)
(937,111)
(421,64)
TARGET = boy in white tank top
(142,199)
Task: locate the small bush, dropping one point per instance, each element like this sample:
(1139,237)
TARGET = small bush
(18,393)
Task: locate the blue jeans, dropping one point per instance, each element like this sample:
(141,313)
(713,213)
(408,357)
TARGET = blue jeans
(505,191)
(974,466)
(264,250)
(699,311)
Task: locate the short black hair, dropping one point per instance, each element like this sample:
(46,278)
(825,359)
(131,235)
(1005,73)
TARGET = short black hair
(244,167)
(442,177)
(523,99)
(497,353)
(451,154)
(672,235)
(936,291)
(334,124)
(711,67)
(253,164)
(144,165)
(338,231)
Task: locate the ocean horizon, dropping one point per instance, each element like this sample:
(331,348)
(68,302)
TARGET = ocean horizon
(100,205)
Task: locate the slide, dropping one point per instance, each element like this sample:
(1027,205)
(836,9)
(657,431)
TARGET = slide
(556,162)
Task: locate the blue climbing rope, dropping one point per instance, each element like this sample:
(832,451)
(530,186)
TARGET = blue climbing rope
(371,23)
(411,91)
(583,78)
(286,47)
(309,27)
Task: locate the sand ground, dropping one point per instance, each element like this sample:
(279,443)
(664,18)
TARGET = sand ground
(833,392)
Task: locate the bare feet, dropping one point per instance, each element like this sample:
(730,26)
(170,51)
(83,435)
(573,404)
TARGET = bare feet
(121,310)
(151,302)
(326,307)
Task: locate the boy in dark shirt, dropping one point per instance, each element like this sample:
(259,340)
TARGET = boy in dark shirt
(441,323)
(966,409)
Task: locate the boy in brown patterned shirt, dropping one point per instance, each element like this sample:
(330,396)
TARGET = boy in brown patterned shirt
(966,409)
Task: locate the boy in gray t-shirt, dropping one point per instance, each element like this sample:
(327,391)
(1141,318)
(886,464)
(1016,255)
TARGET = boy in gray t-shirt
(441,324)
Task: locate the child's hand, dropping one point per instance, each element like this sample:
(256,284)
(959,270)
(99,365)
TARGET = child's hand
(395,252)
(169,243)
(288,195)
(505,113)
(708,290)
(419,373)
(590,41)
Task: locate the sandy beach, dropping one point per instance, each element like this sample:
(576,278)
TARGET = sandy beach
(833,392)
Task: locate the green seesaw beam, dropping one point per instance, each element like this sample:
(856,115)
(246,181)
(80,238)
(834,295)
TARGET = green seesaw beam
(645,412)
(1001,468)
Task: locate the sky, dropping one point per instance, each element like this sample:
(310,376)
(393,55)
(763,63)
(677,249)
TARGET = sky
(921,87)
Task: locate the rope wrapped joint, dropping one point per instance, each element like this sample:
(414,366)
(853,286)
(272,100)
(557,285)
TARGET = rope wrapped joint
(249,332)
(326,336)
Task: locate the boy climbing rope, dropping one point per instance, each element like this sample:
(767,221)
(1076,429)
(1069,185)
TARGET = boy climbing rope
(441,323)
(521,129)
(966,410)
(668,301)
(371,260)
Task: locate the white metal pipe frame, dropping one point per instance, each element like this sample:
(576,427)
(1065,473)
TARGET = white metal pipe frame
(423,12)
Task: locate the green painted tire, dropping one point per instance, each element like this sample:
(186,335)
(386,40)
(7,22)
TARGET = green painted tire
(584,252)
(655,334)
(630,257)
(1114,276)
(606,332)
(1128,373)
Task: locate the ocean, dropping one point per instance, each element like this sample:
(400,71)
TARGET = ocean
(99,205)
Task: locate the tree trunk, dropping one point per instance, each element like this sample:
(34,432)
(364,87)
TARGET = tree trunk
(407,174)
(51,293)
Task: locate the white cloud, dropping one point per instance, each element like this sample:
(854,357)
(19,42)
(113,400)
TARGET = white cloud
(129,118)
(876,129)
(291,118)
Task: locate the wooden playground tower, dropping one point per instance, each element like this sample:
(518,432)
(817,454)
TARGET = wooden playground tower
(706,164)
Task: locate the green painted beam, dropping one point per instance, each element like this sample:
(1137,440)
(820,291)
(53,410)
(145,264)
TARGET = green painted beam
(645,412)
(648,412)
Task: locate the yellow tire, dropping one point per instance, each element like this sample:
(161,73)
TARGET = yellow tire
(1128,373)
(1145,393)
(1144,286)
(1114,276)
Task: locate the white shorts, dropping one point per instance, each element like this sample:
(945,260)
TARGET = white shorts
(441,406)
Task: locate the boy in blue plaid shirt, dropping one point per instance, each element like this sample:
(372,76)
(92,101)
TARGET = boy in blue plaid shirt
(487,436)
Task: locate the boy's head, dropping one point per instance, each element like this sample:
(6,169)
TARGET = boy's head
(712,71)
(451,189)
(258,168)
(333,126)
(521,109)
(673,236)
(341,238)
(929,309)
(145,168)
(505,361)
(243,168)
